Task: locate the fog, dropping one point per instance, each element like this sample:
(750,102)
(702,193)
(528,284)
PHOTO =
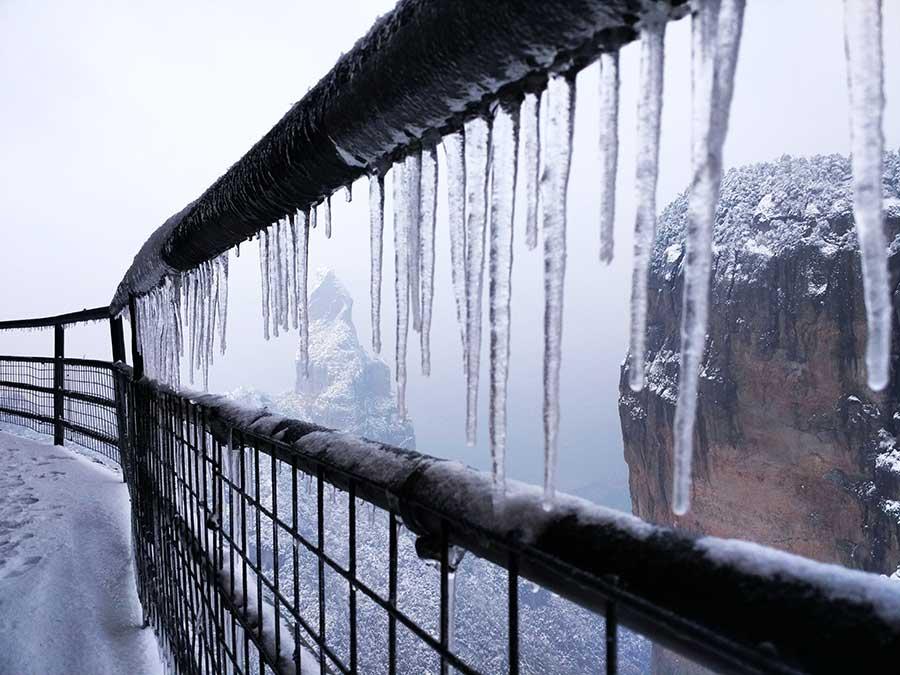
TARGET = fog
(115,115)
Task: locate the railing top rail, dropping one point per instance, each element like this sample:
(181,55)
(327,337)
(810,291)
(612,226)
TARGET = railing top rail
(420,72)
(93,363)
(82,316)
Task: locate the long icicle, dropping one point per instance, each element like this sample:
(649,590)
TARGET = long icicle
(412,172)
(327,216)
(427,212)
(609,151)
(302,276)
(530,121)
(401,282)
(715,36)
(454,151)
(478,138)
(223,301)
(264,279)
(865,75)
(648,114)
(554,190)
(376,243)
(504,143)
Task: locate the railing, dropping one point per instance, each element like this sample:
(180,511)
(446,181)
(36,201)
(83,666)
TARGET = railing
(349,551)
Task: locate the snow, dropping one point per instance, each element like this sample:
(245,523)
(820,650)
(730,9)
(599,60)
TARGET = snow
(478,138)
(530,129)
(554,192)
(715,35)
(758,249)
(376,225)
(67,585)
(865,74)
(609,150)
(649,113)
(504,149)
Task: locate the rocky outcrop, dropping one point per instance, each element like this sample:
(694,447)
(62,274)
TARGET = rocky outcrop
(346,389)
(792,448)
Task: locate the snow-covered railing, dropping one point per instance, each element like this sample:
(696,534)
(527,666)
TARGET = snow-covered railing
(252,485)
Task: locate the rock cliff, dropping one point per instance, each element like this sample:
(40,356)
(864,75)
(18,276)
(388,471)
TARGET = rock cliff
(792,448)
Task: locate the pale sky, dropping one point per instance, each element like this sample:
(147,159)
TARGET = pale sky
(114,115)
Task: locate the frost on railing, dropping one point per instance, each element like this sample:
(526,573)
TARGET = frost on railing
(481,160)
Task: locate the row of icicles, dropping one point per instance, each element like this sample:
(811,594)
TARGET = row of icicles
(482,161)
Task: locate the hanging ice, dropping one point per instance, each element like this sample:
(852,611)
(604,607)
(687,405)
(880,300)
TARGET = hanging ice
(327,216)
(401,281)
(348,192)
(865,75)
(478,137)
(504,147)
(223,300)
(648,115)
(263,238)
(530,120)
(376,237)
(454,150)
(715,38)
(609,151)
(303,218)
(427,211)
(554,189)
(412,171)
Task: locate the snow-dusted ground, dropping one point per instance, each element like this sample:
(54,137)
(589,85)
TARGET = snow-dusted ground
(68,601)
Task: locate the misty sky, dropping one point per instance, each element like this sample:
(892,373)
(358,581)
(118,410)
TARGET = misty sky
(113,116)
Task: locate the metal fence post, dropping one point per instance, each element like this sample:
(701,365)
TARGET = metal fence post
(117,338)
(136,358)
(59,340)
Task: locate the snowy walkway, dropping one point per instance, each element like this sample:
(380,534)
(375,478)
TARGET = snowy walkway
(68,602)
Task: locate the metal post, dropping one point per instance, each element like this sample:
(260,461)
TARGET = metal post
(136,359)
(59,341)
(117,338)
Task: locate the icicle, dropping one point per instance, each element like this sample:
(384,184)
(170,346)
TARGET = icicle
(530,116)
(312,217)
(413,171)
(264,278)
(348,192)
(865,75)
(290,272)
(609,150)
(295,284)
(504,144)
(376,225)
(649,112)
(478,138)
(223,299)
(454,149)
(401,281)
(715,37)
(554,189)
(427,210)
(284,245)
(327,216)
(302,275)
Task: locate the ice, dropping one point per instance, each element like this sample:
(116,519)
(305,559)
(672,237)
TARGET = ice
(401,282)
(292,271)
(530,125)
(454,150)
(263,238)
(223,301)
(427,212)
(478,137)
(376,237)
(327,216)
(715,36)
(413,183)
(504,148)
(865,74)
(348,193)
(554,188)
(609,150)
(303,218)
(648,115)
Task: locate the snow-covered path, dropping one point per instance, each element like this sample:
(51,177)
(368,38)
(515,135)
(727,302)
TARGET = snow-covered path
(68,602)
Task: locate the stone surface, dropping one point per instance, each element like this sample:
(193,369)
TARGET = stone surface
(792,448)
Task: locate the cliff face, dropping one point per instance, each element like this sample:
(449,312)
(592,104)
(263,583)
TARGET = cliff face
(792,449)
(347,389)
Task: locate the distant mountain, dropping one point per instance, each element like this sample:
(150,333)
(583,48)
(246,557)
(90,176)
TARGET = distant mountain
(347,388)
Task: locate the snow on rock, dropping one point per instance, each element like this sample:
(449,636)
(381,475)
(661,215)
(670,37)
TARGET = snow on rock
(67,586)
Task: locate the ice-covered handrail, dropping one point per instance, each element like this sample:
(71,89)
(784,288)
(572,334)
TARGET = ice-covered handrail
(82,316)
(720,599)
(422,69)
